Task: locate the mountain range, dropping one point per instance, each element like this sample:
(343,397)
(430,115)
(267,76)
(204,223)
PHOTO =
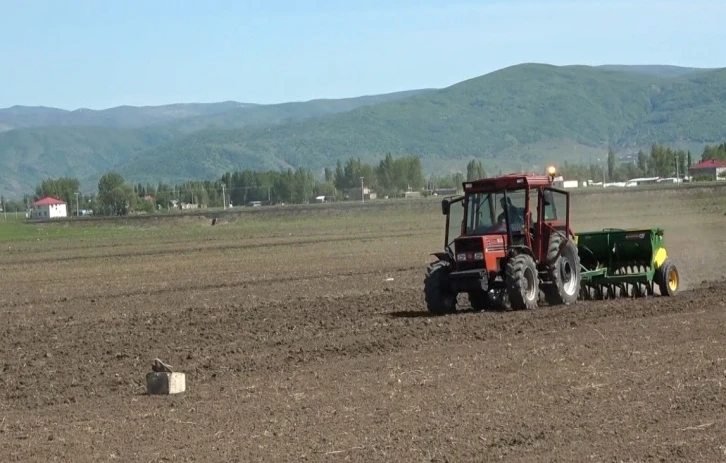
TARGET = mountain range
(519,117)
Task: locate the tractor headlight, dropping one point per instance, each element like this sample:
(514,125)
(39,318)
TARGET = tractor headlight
(478,256)
(461,257)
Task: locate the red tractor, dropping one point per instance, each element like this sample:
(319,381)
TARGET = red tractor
(507,240)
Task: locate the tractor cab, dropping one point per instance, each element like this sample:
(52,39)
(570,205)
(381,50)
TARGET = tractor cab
(497,213)
(495,221)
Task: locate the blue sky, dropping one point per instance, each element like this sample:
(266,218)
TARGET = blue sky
(103,53)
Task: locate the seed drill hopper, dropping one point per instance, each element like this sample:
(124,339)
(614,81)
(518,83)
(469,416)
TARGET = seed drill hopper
(629,263)
(509,244)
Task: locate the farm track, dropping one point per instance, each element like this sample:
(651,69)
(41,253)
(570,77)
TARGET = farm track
(294,357)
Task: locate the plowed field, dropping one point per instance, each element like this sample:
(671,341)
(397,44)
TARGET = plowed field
(305,338)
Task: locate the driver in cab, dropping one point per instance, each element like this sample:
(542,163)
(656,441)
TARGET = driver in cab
(515,214)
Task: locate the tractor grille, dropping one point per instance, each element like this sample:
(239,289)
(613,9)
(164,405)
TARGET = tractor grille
(469,246)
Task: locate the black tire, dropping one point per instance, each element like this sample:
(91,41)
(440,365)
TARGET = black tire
(522,282)
(668,278)
(439,298)
(563,271)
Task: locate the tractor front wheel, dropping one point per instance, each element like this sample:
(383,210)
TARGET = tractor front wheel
(439,297)
(668,279)
(522,282)
(563,272)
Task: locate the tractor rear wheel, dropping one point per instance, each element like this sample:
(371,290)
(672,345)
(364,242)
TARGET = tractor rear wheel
(667,278)
(563,271)
(522,282)
(439,297)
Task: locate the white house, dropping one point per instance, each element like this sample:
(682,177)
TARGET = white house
(712,169)
(48,208)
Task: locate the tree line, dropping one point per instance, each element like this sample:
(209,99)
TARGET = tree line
(391,177)
(659,161)
(714,152)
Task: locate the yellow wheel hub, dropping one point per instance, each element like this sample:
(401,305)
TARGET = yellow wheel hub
(673,279)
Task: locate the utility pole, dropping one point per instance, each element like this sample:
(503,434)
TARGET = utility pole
(362,195)
(268,196)
(78,212)
(224,200)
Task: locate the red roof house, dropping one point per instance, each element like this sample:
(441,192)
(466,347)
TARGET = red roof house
(48,201)
(48,208)
(714,169)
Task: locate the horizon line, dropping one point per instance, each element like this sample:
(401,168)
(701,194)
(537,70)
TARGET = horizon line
(364,95)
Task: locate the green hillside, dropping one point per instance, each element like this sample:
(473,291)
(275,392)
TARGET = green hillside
(684,111)
(30,155)
(69,147)
(523,116)
(266,115)
(119,117)
(654,70)
(526,115)
(187,116)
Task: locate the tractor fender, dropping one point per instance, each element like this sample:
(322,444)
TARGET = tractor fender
(567,237)
(516,250)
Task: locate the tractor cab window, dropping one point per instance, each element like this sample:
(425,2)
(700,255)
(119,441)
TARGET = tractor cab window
(515,202)
(486,212)
(555,205)
(480,218)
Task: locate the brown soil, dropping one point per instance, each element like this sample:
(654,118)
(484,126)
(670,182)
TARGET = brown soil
(290,357)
